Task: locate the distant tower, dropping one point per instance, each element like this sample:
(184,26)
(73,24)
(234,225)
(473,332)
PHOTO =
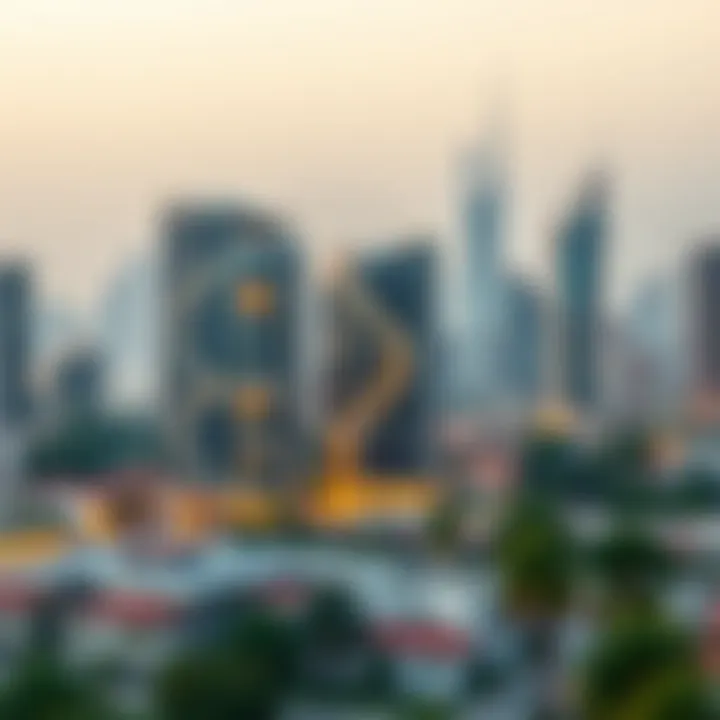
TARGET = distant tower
(484,215)
(704,285)
(523,349)
(580,255)
(129,336)
(656,328)
(231,309)
(79,380)
(15,343)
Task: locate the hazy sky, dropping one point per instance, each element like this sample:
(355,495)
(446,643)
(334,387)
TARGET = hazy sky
(348,115)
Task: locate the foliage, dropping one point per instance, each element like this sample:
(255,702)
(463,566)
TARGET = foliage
(248,675)
(338,660)
(41,690)
(633,567)
(427,710)
(94,445)
(334,622)
(536,561)
(444,530)
(643,666)
(546,465)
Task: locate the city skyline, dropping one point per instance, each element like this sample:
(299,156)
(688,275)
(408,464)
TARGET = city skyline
(349,118)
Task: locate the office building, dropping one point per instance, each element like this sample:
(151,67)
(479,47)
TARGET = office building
(15,344)
(580,257)
(232,278)
(523,342)
(79,384)
(655,326)
(704,305)
(129,336)
(384,393)
(484,214)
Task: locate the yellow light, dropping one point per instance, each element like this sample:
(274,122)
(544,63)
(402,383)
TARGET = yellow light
(253,402)
(255,298)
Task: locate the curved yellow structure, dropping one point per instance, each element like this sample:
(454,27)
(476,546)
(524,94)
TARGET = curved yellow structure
(348,496)
(391,380)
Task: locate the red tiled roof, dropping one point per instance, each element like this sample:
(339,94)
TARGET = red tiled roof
(284,593)
(423,639)
(17,597)
(135,610)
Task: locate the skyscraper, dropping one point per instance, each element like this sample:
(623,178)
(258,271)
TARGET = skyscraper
(484,225)
(129,326)
(580,256)
(79,390)
(655,324)
(384,393)
(231,316)
(15,343)
(523,342)
(704,285)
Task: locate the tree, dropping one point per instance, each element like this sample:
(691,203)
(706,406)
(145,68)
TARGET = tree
(536,564)
(42,690)
(338,659)
(643,669)
(633,568)
(89,446)
(623,468)
(427,710)
(444,530)
(247,675)
(546,465)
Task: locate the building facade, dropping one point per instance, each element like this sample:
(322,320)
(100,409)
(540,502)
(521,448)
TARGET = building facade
(384,367)
(704,304)
(580,257)
(523,342)
(79,384)
(483,221)
(15,344)
(231,316)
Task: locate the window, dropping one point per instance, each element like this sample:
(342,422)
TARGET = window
(255,298)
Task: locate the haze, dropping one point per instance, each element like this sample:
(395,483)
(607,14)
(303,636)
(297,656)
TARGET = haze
(348,115)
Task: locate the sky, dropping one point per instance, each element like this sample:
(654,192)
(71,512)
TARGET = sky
(348,116)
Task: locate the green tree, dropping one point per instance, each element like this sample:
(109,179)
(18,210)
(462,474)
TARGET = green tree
(546,465)
(644,670)
(623,469)
(427,710)
(536,562)
(633,569)
(248,675)
(338,658)
(444,529)
(42,690)
(88,446)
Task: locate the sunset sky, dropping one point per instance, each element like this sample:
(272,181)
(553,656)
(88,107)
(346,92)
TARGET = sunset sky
(348,116)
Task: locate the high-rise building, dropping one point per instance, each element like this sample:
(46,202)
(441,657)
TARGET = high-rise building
(523,342)
(704,306)
(655,325)
(484,225)
(232,278)
(79,384)
(128,331)
(580,256)
(15,343)
(384,381)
